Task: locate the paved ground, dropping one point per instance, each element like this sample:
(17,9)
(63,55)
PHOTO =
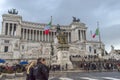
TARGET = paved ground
(87,76)
(80,76)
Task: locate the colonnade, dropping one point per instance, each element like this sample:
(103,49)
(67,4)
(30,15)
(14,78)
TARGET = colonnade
(38,35)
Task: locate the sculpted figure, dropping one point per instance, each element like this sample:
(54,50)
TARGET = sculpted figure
(62,39)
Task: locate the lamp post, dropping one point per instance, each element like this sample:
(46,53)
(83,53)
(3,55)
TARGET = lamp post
(41,52)
(51,53)
(99,58)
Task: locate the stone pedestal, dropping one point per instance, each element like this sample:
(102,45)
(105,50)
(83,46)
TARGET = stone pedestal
(64,60)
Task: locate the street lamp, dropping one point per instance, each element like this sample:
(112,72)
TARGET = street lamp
(41,52)
(51,53)
(100,65)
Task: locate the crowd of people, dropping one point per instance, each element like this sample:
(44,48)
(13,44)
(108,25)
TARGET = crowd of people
(37,70)
(103,66)
(6,68)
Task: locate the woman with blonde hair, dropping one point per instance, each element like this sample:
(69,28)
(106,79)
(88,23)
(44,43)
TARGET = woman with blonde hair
(30,67)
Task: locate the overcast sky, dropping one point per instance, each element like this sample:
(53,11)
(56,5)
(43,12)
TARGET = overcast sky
(107,12)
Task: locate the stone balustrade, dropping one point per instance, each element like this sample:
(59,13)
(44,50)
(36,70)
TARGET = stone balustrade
(6,55)
(29,56)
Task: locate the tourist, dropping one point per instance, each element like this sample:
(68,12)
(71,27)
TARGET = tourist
(30,68)
(41,71)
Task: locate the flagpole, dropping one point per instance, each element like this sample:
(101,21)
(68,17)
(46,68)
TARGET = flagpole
(91,35)
(99,33)
(51,20)
(100,47)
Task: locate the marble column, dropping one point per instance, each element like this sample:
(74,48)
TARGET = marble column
(48,37)
(42,36)
(84,35)
(45,37)
(8,28)
(53,35)
(29,34)
(33,35)
(26,34)
(12,27)
(80,35)
(4,28)
(68,36)
(36,36)
(23,33)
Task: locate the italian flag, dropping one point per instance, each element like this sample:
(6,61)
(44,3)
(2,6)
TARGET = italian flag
(47,27)
(96,33)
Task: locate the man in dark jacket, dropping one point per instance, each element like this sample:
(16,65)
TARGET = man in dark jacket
(41,72)
(46,68)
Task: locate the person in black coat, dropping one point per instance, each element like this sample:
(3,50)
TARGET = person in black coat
(42,71)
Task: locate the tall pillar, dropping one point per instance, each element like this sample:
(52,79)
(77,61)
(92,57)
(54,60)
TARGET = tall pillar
(18,29)
(8,28)
(26,34)
(29,34)
(36,35)
(48,37)
(33,35)
(12,32)
(23,33)
(68,36)
(84,35)
(3,28)
(42,35)
(45,37)
(53,35)
(80,35)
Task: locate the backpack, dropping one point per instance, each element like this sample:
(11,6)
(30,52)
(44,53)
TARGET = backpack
(36,70)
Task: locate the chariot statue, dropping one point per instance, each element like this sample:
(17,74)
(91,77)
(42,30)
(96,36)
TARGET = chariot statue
(76,20)
(13,11)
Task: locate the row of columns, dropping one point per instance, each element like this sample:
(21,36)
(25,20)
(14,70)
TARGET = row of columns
(10,29)
(81,35)
(30,34)
(38,35)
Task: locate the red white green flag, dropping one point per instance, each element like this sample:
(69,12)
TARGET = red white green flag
(96,33)
(47,27)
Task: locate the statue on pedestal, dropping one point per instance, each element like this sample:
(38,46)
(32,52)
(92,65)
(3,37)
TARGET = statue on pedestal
(62,39)
(76,20)
(13,11)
